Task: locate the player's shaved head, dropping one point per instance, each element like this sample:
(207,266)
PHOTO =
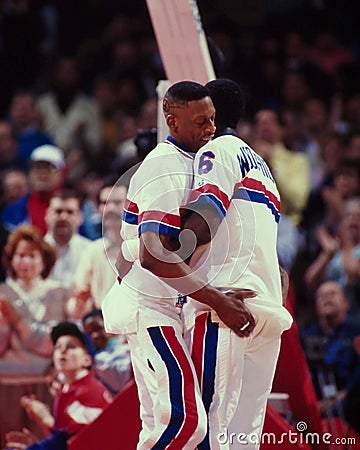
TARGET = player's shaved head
(229,101)
(180,94)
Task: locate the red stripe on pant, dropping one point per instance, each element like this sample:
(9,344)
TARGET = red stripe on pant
(197,352)
(191,413)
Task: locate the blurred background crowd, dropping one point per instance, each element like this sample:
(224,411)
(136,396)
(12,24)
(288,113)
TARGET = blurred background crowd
(78,108)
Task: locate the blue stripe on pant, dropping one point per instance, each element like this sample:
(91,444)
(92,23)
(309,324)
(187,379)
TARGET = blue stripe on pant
(208,376)
(175,388)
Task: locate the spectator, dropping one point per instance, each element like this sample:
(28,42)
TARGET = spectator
(96,271)
(138,137)
(328,345)
(15,185)
(80,400)
(331,153)
(295,51)
(287,243)
(112,358)
(296,60)
(348,109)
(22,32)
(148,114)
(352,149)
(295,91)
(339,257)
(45,178)
(326,203)
(327,53)
(316,120)
(291,170)
(63,219)
(127,67)
(3,239)
(88,187)
(30,304)
(126,151)
(70,116)
(8,147)
(346,184)
(25,118)
(105,94)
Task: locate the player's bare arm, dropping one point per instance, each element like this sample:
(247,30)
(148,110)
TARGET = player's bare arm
(167,265)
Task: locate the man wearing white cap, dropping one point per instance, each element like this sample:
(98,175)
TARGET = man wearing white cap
(45,176)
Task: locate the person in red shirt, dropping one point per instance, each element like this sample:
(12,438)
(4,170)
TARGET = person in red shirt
(81,398)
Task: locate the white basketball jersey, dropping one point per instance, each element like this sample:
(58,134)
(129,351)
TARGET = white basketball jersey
(235,180)
(158,191)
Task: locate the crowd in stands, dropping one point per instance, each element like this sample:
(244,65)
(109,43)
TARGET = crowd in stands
(78,109)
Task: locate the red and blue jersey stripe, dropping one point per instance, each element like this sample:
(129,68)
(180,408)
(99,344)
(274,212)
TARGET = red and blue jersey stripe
(152,220)
(159,222)
(254,190)
(249,189)
(212,195)
(131,212)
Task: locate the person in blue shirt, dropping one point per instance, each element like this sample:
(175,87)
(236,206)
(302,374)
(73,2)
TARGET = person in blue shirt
(112,356)
(329,349)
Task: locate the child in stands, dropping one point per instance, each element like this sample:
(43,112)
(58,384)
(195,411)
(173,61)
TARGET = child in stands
(79,401)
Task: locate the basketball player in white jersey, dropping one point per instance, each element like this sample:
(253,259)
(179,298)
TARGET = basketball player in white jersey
(147,307)
(234,186)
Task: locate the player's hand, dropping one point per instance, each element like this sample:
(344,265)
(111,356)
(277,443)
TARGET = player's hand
(234,312)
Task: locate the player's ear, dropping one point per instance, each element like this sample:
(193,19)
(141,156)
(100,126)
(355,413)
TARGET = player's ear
(171,120)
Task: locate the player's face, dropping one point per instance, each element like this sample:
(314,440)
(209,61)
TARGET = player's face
(194,125)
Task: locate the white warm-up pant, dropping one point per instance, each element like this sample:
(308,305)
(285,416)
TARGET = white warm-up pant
(172,413)
(260,358)
(235,377)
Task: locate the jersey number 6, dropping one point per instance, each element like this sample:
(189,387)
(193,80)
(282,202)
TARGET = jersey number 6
(205,163)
